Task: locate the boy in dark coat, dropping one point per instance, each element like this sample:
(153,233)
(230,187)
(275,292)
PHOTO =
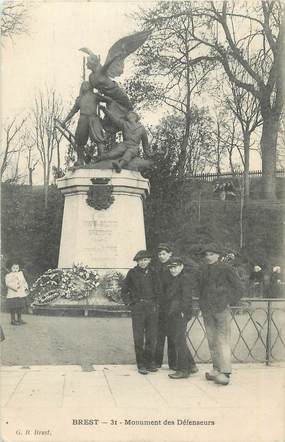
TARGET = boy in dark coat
(179,310)
(218,287)
(140,293)
(164,278)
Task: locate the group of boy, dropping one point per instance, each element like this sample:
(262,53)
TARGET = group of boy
(160,297)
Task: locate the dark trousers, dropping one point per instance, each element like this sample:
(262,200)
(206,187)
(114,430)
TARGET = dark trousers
(144,321)
(177,328)
(162,334)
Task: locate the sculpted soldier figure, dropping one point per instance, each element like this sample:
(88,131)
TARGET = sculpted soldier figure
(118,114)
(133,133)
(89,123)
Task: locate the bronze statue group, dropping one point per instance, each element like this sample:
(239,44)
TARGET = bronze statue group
(99,122)
(160,297)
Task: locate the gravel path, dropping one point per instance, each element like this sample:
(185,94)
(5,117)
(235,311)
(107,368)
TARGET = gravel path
(54,340)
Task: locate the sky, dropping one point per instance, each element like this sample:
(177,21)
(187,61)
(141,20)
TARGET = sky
(48,54)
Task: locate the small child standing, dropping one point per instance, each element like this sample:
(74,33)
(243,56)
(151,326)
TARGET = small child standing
(17,292)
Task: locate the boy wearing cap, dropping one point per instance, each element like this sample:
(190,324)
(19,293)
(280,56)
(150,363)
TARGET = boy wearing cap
(179,294)
(164,279)
(218,287)
(140,292)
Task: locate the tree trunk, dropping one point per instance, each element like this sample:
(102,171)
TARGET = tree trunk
(58,156)
(246,144)
(218,149)
(30,176)
(268,149)
(231,162)
(46,194)
(184,144)
(46,182)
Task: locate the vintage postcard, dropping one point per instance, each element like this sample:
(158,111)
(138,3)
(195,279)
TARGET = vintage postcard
(142,209)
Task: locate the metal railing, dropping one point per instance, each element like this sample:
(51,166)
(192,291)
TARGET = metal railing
(257,332)
(214,176)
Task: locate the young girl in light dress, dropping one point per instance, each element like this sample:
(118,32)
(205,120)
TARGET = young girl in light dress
(17,292)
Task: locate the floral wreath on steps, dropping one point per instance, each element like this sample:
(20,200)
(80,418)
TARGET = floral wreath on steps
(73,284)
(112,283)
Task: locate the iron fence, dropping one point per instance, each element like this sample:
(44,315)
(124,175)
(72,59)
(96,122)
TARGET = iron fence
(258,327)
(229,175)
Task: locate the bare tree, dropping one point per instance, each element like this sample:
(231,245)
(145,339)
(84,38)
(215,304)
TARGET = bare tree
(239,118)
(245,108)
(14,16)
(31,164)
(31,158)
(13,173)
(165,72)
(11,142)
(47,108)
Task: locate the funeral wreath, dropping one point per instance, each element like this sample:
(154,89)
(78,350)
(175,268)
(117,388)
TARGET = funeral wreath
(73,284)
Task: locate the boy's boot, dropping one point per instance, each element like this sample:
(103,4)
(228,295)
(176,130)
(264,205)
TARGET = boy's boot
(211,376)
(142,370)
(152,367)
(222,379)
(183,374)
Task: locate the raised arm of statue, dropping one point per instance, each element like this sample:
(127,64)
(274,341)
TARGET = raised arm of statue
(73,111)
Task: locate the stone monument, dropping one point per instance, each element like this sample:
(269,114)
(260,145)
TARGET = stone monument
(103,221)
(104,238)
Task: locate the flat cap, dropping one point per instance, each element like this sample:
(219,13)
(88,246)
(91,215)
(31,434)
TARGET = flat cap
(141,254)
(174,261)
(165,246)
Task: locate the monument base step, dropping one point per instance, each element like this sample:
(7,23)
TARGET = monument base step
(82,310)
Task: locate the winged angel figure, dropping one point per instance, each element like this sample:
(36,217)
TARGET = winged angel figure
(101,77)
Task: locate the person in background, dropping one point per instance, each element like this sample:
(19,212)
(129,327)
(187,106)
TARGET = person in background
(218,286)
(17,292)
(179,310)
(234,260)
(140,293)
(256,280)
(164,253)
(276,283)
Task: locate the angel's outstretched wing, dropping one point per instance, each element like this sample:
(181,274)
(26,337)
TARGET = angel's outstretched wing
(114,64)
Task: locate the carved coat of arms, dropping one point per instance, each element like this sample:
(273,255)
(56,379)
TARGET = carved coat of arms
(99,195)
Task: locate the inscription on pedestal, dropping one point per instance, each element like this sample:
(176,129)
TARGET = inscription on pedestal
(101,246)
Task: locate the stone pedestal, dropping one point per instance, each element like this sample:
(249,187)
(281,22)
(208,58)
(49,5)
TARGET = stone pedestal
(102,239)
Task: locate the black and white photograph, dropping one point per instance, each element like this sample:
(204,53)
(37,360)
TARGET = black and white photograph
(142,221)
